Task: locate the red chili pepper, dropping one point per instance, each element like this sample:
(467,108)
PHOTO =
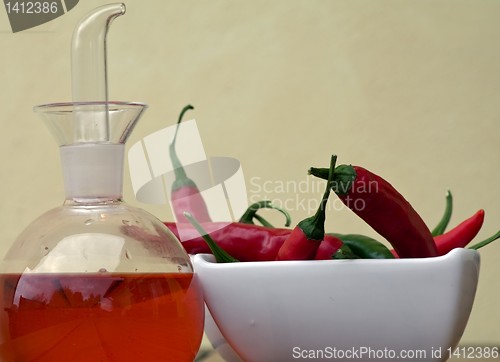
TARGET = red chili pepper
(460,235)
(306,237)
(185,194)
(379,204)
(328,247)
(245,242)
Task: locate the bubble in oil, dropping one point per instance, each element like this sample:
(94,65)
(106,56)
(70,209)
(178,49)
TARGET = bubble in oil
(102,270)
(88,222)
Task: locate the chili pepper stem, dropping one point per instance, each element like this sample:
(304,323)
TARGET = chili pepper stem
(314,227)
(263,221)
(251,212)
(181,116)
(181,178)
(485,242)
(343,177)
(445,220)
(221,256)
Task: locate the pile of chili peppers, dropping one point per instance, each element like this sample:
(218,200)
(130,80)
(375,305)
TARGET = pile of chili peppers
(384,209)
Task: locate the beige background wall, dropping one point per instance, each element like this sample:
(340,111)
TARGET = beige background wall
(409,89)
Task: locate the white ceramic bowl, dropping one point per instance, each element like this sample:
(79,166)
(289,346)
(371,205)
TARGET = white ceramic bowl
(382,310)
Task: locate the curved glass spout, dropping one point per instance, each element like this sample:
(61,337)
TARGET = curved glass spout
(88,54)
(89,71)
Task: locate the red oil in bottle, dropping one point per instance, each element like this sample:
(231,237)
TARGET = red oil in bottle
(100,317)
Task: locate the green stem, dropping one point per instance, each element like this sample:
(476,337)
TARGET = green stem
(314,227)
(485,242)
(443,224)
(181,115)
(221,256)
(181,178)
(320,213)
(343,177)
(263,221)
(251,212)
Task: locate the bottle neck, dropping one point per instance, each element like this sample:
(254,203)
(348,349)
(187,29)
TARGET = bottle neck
(93,172)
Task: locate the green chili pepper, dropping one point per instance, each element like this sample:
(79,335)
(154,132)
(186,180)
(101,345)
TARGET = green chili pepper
(365,247)
(344,252)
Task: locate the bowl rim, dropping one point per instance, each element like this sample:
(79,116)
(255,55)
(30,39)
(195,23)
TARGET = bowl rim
(209,260)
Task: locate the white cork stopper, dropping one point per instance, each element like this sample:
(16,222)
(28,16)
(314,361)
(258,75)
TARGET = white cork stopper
(93,170)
